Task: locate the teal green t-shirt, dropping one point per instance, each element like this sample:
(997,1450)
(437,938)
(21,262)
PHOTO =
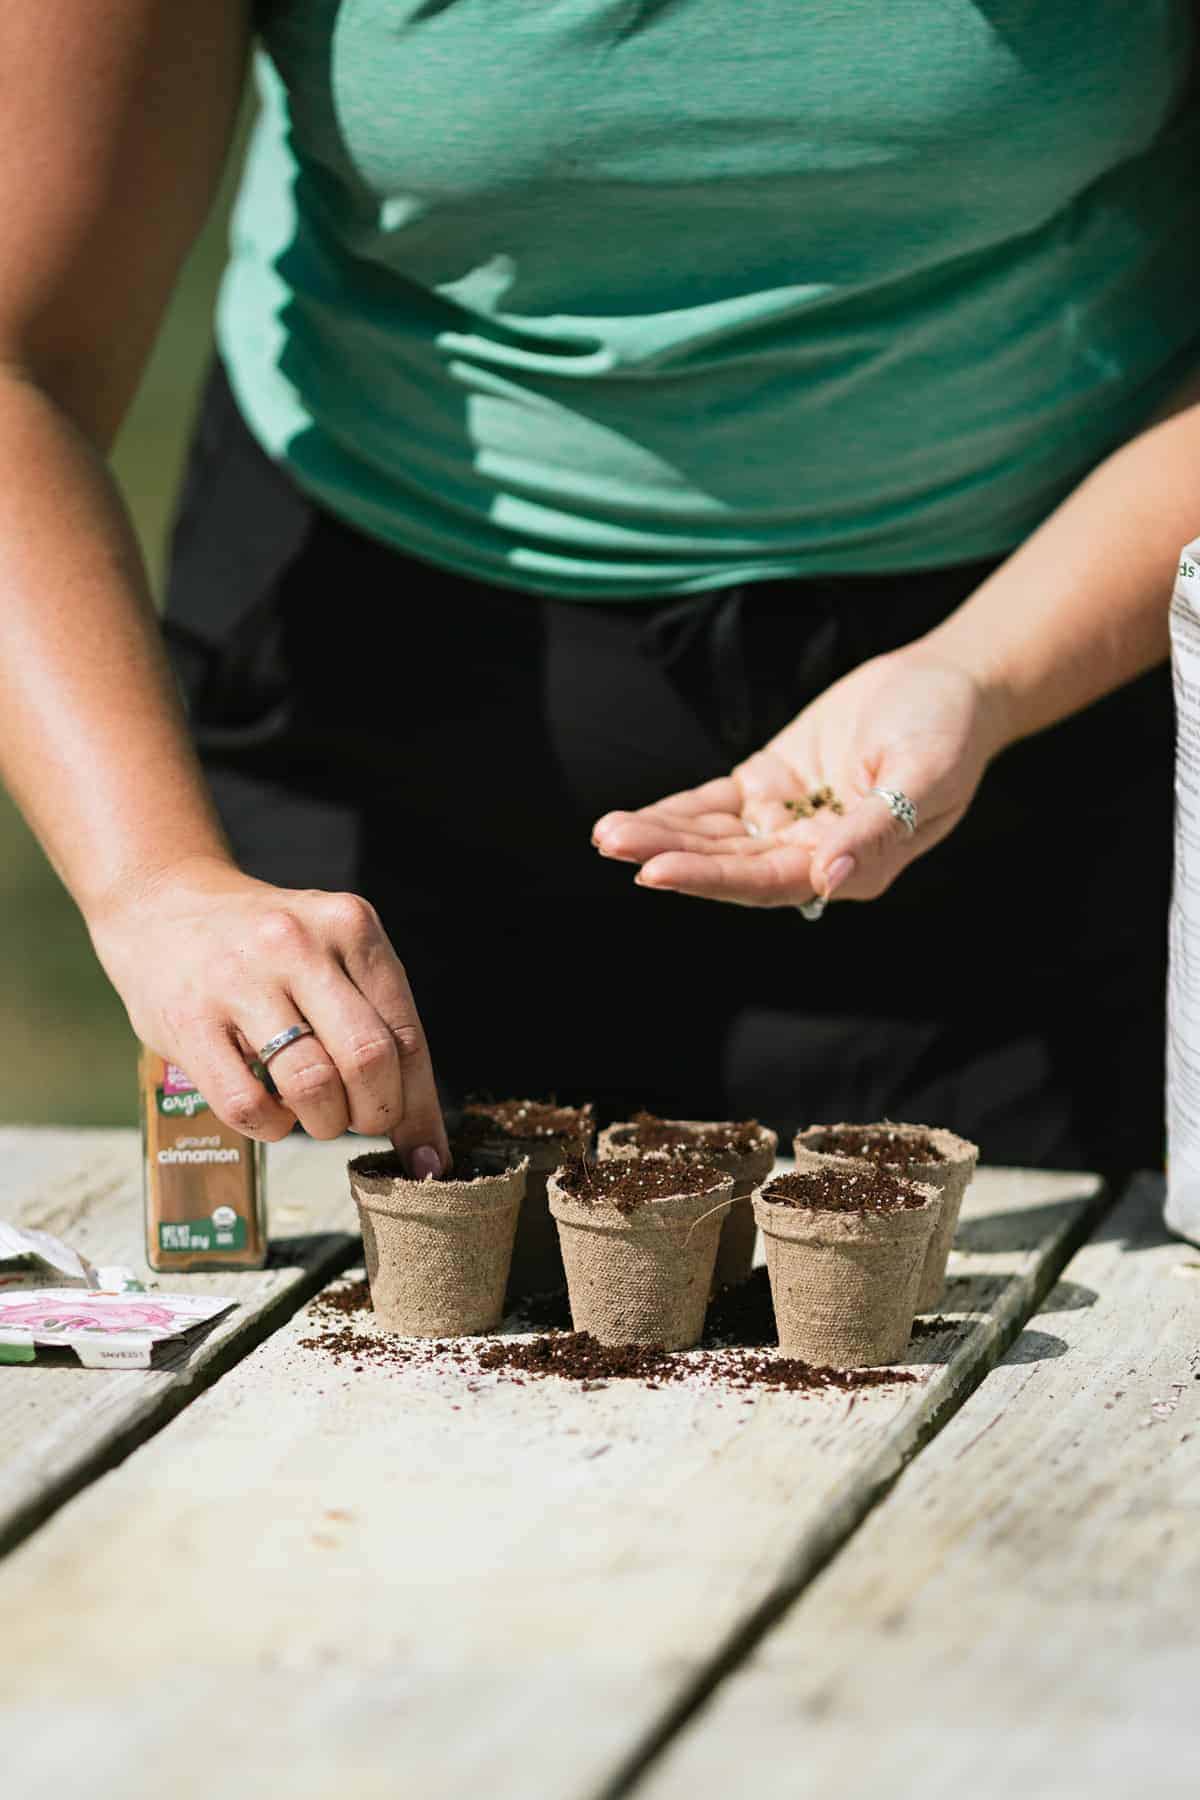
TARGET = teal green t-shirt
(609,298)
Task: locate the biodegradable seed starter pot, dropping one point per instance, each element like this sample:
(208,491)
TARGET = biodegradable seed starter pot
(846,1245)
(501,1132)
(639,1240)
(926,1153)
(437,1251)
(743,1149)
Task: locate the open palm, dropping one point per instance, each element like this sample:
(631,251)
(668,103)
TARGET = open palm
(908,721)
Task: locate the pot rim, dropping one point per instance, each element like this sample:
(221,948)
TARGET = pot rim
(401,1196)
(648,1216)
(956,1150)
(822,1222)
(608,1139)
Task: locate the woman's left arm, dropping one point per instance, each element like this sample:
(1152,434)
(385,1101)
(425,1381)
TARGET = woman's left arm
(1079,609)
(1082,606)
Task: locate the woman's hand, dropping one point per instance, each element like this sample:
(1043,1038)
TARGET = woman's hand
(913,720)
(210,964)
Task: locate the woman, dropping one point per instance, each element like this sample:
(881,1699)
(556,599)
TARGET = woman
(676,408)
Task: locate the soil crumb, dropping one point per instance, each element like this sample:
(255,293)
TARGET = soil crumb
(344,1302)
(738,1352)
(579,1357)
(872,1190)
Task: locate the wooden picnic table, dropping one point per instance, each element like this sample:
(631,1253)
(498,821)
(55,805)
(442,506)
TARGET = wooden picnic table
(258,1570)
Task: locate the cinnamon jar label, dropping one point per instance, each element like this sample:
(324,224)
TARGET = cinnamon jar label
(203,1180)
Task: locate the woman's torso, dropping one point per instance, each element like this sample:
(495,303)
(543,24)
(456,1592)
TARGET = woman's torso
(610,297)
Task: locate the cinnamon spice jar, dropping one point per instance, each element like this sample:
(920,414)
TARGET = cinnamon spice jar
(204,1183)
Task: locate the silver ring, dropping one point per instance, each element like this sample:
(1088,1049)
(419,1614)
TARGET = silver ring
(280,1041)
(900,807)
(812,909)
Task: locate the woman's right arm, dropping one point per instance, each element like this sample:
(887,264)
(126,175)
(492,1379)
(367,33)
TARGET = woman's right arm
(112,140)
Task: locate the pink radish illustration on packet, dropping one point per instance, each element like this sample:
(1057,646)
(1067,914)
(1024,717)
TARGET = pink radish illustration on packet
(90,1315)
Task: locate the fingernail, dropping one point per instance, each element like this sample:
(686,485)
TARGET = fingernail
(424,1162)
(839,871)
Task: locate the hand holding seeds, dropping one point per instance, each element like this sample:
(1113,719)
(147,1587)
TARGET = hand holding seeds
(798,820)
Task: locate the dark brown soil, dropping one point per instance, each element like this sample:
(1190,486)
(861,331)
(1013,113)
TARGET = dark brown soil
(742,1315)
(878,1144)
(519,1119)
(733,1138)
(632,1181)
(738,1352)
(355,1297)
(342,1344)
(577,1356)
(463,1167)
(874,1190)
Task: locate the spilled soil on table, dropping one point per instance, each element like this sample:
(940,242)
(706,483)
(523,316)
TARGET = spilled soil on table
(738,1352)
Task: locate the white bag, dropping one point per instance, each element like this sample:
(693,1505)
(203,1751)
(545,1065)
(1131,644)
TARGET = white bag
(1183,988)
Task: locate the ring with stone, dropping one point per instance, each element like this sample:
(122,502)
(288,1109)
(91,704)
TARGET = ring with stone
(900,806)
(812,909)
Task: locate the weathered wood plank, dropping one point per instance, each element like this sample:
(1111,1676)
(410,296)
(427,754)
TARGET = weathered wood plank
(60,1424)
(32,1156)
(391,1581)
(1019,1616)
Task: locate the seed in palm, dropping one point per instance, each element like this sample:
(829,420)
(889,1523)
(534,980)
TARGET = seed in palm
(809,804)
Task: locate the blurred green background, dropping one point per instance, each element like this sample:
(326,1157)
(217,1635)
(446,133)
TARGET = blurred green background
(67,1054)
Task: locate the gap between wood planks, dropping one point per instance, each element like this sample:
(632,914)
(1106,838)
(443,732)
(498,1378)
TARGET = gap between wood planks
(124,1442)
(821,1549)
(350,1644)
(75,1425)
(1018,1616)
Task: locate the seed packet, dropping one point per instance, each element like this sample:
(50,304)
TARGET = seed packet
(34,1258)
(105,1330)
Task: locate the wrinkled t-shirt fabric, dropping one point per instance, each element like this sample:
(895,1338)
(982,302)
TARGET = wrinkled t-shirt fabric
(614,298)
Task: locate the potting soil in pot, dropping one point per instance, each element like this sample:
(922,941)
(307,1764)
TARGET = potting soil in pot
(639,1241)
(521,1121)
(437,1251)
(875,1190)
(892,1146)
(846,1243)
(927,1153)
(500,1132)
(741,1148)
(647,1132)
(627,1185)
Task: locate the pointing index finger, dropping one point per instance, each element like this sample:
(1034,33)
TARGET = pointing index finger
(379,975)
